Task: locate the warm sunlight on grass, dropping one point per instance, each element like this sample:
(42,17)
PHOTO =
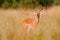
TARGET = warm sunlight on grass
(11,26)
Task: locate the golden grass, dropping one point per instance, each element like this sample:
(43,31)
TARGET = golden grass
(47,29)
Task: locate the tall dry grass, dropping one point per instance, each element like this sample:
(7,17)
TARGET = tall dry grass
(47,29)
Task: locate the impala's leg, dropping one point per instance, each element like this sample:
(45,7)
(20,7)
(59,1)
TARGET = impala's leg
(29,28)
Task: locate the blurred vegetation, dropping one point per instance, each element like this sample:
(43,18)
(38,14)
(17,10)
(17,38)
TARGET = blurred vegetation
(27,3)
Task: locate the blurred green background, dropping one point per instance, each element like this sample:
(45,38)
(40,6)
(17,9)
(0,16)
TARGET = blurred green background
(26,3)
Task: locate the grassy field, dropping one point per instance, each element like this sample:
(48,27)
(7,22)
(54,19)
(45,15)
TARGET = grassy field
(11,24)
